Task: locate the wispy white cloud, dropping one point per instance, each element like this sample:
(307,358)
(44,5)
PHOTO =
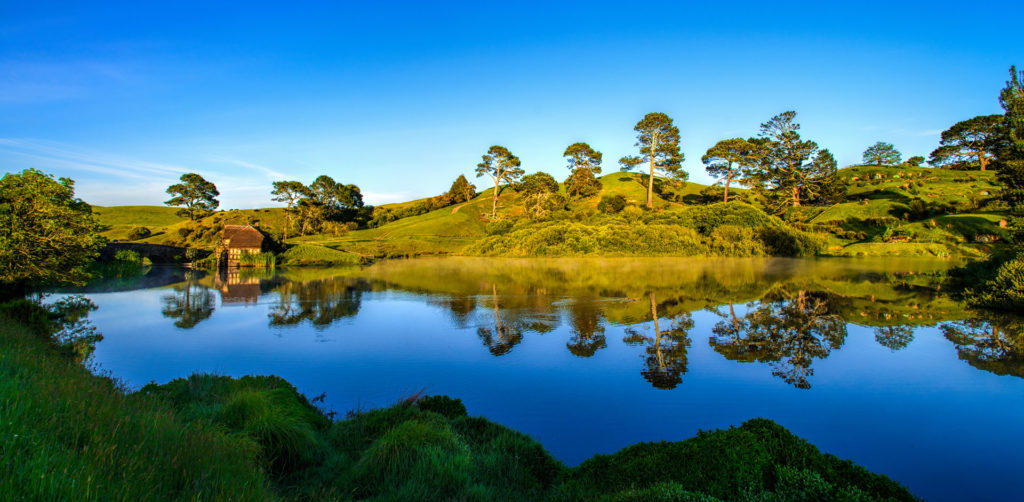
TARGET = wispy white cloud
(52,155)
(271,174)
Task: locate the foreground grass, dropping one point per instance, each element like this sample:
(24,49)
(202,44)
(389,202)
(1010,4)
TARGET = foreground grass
(68,435)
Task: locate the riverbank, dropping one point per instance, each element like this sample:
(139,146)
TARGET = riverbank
(68,434)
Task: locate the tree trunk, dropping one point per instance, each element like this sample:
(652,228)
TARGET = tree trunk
(494,201)
(727,181)
(796,196)
(650,183)
(981,160)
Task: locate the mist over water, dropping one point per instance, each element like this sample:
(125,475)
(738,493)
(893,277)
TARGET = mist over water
(867,359)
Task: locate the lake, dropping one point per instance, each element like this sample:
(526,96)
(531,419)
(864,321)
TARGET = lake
(867,359)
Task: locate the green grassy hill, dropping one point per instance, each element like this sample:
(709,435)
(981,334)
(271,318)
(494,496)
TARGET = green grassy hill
(898,210)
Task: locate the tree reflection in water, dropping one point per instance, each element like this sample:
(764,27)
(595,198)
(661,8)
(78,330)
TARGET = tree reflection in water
(665,354)
(789,334)
(585,317)
(995,345)
(506,333)
(894,337)
(320,302)
(190,303)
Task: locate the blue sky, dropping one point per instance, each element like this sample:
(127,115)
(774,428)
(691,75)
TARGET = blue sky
(401,98)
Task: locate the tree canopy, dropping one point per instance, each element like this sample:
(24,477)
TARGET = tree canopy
(47,236)
(198,196)
(502,167)
(792,171)
(1011,156)
(970,144)
(882,154)
(540,195)
(730,160)
(462,190)
(914,161)
(658,140)
(582,156)
(290,193)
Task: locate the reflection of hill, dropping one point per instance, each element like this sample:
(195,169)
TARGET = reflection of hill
(876,292)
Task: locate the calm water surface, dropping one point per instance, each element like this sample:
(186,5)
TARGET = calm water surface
(868,360)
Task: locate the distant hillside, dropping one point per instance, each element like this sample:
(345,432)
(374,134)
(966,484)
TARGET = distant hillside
(907,211)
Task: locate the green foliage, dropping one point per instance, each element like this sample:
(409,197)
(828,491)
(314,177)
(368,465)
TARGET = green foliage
(786,241)
(290,193)
(611,204)
(537,183)
(462,190)
(731,160)
(499,227)
(70,435)
(197,195)
(138,233)
(316,255)
(914,161)
(1011,158)
(1002,290)
(47,236)
(265,260)
(125,263)
(573,239)
(705,219)
(582,156)
(792,171)
(266,410)
(971,143)
(884,154)
(658,139)
(502,167)
(582,184)
(732,240)
(448,407)
(759,460)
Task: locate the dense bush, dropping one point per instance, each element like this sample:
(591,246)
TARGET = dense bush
(566,238)
(139,233)
(1002,288)
(752,462)
(785,241)
(705,219)
(611,204)
(732,240)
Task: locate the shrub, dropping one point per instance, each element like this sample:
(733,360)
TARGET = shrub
(732,240)
(499,227)
(611,204)
(139,233)
(448,407)
(785,241)
(1004,291)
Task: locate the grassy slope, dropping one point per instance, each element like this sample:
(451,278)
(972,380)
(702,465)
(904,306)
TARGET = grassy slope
(876,194)
(68,435)
(887,192)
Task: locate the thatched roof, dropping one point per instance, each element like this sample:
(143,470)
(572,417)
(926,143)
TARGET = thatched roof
(242,236)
